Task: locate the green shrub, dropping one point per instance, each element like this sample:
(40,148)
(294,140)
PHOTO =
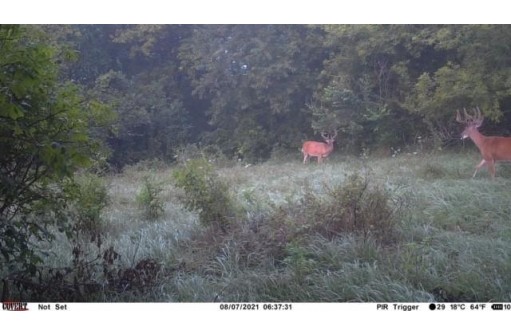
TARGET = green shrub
(205,193)
(354,207)
(90,198)
(362,208)
(149,199)
(300,260)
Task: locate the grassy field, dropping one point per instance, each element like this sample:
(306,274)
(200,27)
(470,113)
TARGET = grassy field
(415,227)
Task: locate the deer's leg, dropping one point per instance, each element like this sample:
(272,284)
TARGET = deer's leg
(478,167)
(305,156)
(320,159)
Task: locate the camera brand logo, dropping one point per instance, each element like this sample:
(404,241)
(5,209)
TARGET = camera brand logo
(14,306)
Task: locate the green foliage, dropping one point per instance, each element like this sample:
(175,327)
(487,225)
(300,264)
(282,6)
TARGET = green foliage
(151,121)
(300,260)
(256,80)
(205,193)
(149,199)
(250,89)
(352,207)
(366,82)
(337,109)
(44,139)
(141,38)
(90,197)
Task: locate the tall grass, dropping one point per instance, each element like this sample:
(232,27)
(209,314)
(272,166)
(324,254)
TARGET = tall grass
(424,231)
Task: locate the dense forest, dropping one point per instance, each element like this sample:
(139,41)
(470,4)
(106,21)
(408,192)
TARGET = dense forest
(247,91)
(99,99)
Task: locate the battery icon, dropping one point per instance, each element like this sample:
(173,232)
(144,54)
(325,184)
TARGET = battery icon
(497,307)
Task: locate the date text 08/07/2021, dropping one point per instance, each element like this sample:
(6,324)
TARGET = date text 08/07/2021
(256,306)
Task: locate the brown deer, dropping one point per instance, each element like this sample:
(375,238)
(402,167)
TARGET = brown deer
(319,149)
(492,148)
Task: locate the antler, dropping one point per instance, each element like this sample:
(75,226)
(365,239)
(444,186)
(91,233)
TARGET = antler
(477,118)
(458,117)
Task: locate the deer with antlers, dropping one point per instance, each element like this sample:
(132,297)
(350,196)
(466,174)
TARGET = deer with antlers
(492,148)
(319,149)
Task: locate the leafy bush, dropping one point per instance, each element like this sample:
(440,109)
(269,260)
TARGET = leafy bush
(353,207)
(357,207)
(91,197)
(96,273)
(44,138)
(300,260)
(149,199)
(205,193)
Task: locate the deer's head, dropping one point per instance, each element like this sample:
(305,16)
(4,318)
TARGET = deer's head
(471,122)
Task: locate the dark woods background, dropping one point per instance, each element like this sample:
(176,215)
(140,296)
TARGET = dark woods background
(250,91)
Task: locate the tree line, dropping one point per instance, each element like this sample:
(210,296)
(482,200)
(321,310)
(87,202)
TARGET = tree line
(249,90)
